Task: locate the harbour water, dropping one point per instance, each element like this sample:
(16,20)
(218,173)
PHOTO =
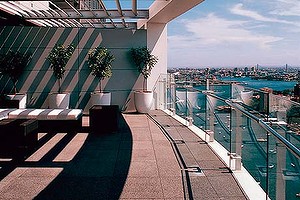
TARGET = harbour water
(224,91)
(257,84)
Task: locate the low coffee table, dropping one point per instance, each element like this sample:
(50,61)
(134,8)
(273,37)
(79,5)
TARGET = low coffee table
(104,118)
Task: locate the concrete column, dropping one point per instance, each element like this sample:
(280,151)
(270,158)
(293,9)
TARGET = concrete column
(157,44)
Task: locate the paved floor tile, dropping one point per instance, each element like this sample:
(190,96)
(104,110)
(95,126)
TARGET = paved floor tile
(145,188)
(146,168)
(172,187)
(137,162)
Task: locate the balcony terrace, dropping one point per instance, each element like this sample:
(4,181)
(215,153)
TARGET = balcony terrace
(161,155)
(142,160)
(206,153)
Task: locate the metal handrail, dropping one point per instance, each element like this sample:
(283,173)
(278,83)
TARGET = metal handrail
(266,127)
(263,124)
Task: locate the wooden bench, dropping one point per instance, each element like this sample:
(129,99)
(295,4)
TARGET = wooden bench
(51,120)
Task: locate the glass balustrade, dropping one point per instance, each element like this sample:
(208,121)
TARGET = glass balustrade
(259,129)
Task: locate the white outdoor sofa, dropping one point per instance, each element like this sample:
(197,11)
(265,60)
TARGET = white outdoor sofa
(4,112)
(49,119)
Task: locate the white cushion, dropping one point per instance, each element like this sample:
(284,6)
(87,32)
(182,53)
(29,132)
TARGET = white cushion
(46,114)
(70,114)
(4,113)
(53,114)
(25,114)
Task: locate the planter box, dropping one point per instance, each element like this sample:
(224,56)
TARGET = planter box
(57,100)
(100,98)
(13,101)
(143,101)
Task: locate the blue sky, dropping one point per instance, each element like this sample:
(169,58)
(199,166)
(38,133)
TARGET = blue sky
(236,33)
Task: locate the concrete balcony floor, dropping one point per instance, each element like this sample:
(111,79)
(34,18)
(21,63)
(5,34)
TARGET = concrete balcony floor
(149,157)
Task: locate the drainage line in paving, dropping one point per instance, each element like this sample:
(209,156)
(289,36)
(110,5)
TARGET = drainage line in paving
(184,172)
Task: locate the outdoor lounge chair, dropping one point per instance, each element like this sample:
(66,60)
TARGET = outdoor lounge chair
(4,113)
(51,120)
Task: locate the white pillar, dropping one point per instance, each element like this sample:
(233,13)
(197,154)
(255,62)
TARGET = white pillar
(157,44)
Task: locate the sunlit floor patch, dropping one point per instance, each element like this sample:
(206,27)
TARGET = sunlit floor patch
(41,152)
(72,148)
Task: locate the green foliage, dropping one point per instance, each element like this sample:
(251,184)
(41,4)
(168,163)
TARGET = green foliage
(100,63)
(13,64)
(59,57)
(143,60)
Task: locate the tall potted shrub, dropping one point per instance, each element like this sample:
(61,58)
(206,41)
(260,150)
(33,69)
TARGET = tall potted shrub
(58,58)
(100,63)
(13,64)
(144,61)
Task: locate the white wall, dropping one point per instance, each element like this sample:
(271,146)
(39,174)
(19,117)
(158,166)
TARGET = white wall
(157,43)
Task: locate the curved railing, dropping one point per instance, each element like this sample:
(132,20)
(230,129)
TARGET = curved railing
(260,128)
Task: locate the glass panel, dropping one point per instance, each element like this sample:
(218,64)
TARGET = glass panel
(284,170)
(220,121)
(199,112)
(254,151)
(181,102)
(188,103)
(171,95)
(162,92)
(243,130)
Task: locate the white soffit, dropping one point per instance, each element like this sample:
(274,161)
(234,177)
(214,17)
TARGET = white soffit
(165,11)
(109,14)
(88,13)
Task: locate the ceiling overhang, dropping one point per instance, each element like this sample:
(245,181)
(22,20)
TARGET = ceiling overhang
(166,11)
(108,14)
(66,13)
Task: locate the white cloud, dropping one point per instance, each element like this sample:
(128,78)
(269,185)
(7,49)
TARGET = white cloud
(205,39)
(287,8)
(293,25)
(256,37)
(216,30)
(239,10)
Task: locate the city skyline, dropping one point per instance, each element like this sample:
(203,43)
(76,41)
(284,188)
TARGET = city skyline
(236,34)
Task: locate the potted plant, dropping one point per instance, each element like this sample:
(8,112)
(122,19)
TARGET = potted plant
(100,63)
(144,61)
(13,64)
(58,58)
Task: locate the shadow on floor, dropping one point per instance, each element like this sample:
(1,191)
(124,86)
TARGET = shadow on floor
(97,171)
